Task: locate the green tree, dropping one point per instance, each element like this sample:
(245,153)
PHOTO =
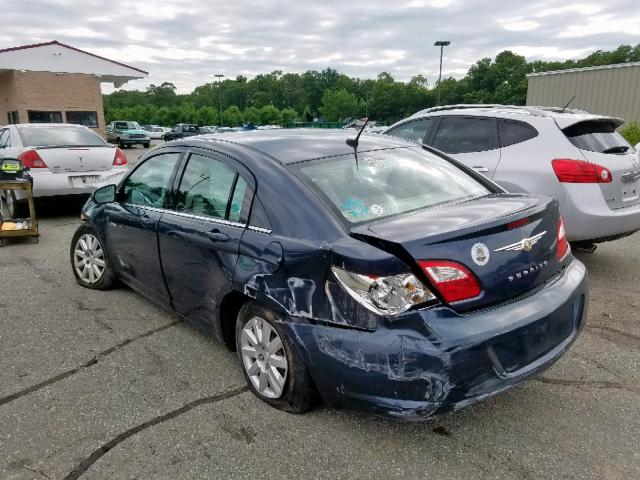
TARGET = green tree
(270,115)
(339,104)
(232,116)
(289,115)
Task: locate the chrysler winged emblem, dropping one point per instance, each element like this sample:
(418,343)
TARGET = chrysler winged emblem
(526,244)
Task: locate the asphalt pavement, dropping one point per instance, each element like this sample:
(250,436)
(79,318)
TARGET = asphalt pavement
(105,385)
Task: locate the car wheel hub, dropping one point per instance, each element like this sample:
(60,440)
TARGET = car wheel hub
(88,259)
(263,357)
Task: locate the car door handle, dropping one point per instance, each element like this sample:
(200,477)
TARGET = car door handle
(217,236)
(480,169)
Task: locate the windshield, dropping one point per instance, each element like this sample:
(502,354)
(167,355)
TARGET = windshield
(55,136)
(597,136)
(389,182)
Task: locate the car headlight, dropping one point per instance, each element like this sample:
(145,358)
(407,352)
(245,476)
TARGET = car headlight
(390,295)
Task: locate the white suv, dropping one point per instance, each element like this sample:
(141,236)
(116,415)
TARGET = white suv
(571,155)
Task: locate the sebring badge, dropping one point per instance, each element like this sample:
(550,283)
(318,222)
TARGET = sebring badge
(480,254)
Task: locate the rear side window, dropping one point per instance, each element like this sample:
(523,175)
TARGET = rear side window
(51,136)
(211,188)
(597,136)
(415,131)
(465,134)
(511,132)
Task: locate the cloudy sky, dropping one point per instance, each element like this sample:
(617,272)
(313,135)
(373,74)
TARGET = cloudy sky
(186,42)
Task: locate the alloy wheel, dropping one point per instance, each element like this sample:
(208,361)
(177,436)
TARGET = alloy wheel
(88,259)
(263,357)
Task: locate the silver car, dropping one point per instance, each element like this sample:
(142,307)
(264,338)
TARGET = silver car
(576,157)
(63,160)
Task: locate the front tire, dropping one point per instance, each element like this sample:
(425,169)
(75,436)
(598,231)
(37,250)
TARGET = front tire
(146,145)
(89,259)
(270,362)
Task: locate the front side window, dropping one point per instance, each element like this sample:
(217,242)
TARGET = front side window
(88,119)
(597,136)
(415,131)
(205,189)
(465,134)
(148,185)
(59,136)
(388,182)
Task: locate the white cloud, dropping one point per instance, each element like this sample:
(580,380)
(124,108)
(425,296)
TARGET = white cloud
(186,42)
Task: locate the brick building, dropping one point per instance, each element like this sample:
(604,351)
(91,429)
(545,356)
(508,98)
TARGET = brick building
(54,82)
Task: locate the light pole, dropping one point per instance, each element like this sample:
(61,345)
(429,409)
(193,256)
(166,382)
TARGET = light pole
(219,76)
(441,44)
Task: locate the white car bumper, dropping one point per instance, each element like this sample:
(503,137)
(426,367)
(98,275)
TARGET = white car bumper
(587,216)
(49,184)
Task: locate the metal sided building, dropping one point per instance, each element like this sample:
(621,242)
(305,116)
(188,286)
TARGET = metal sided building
(605,90)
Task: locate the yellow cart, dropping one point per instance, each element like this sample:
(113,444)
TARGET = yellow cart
(32,231)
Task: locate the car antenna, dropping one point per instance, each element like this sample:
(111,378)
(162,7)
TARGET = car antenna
(568,103)
(353,142)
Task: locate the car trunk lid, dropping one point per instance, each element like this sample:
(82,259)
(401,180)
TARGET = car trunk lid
(77,159)
(507,241)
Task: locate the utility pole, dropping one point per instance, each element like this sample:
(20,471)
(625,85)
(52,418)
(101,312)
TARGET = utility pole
(219,76)
(441,44)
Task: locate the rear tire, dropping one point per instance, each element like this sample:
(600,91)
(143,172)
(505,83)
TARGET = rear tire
(89,260)
(270,362)
(146,145)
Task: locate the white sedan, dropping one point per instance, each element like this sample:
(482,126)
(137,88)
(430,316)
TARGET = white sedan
(63,160)
(156,132)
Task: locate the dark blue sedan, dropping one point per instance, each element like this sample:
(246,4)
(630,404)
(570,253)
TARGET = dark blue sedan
(377,274)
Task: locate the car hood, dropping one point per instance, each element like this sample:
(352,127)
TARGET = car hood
(135,131)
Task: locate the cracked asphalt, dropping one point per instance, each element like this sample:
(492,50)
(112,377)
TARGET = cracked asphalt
(105,385)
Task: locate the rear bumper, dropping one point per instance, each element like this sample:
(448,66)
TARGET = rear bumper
(48,184)
(451,360)
(588,218)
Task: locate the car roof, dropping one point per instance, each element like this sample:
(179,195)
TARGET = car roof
(564,117)
(288,146)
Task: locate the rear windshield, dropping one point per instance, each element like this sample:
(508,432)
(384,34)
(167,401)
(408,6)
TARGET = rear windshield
(596,136)
(55,136)
(388,182)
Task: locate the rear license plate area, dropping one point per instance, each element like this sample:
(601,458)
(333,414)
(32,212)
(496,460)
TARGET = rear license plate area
(84,180)
(531,343)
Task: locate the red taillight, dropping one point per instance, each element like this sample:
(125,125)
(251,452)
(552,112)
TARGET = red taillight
(563,244)
(454,281)
(32,159)
(120,158)
(579,171)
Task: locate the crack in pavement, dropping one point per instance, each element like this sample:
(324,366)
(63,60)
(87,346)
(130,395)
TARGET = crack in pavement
(615,330)
(87,364)
(589,383)
(83,466)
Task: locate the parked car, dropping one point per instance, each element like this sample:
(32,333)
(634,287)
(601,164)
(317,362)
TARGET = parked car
(156,132)
(126,134)
(571,155)
(182,130)
(63,160)
(379,274)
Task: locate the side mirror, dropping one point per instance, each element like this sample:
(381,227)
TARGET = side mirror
(106,194)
